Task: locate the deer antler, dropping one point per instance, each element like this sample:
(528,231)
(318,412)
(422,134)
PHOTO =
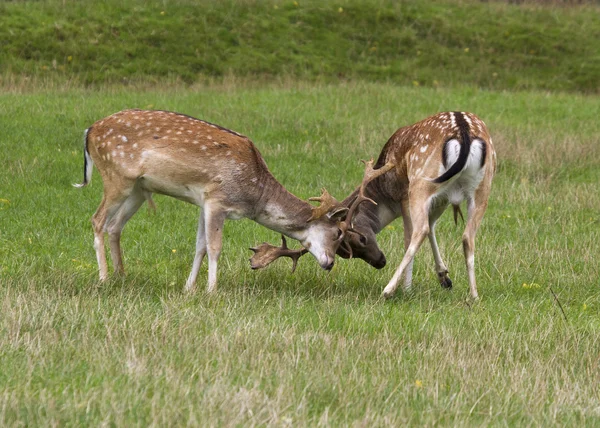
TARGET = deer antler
(326,203)
(266,253)
(370,175)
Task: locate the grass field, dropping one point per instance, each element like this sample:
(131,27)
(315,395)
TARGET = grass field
(441,43)
(312,348)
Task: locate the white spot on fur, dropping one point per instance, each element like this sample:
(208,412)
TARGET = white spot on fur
(135,145)
(424,148)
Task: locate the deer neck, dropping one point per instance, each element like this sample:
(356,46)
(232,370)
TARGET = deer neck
(375,217)
(281,211)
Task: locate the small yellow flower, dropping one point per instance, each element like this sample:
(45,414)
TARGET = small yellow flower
(173,250)
(390,227)
(69,58)
(296,3)
(4,201)
(162,12)
(584,307)
(549,208)
(494,74)
(416,83)
(418,383)
(275,6)
(530,286)
(467,50)
(436,83)
(340,10)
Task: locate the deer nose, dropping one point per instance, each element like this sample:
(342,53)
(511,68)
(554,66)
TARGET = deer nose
(379,264)
(329,266)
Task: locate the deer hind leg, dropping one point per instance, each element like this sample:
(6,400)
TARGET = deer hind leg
(110,203)
(98,221)
(190,285)
(408,229)
(420,229)
(116,223)
(475,210)
(440,266)
(214,219)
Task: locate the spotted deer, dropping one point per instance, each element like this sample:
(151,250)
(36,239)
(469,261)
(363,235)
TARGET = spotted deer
(138,153)
(443,160)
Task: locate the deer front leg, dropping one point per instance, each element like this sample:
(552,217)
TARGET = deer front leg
(419,232)
(190,285)
(440,266)
(214,222)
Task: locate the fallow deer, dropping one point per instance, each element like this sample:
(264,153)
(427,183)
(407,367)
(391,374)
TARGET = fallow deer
(443,160)
(139,153)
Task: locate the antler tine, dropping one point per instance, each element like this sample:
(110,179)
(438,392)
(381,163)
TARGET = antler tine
(266,253)
(370,175)
(326,203)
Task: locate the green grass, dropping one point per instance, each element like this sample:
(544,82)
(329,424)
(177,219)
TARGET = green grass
(490,45)
(272,348)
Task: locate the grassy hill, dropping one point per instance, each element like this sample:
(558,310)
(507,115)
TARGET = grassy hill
(444,43)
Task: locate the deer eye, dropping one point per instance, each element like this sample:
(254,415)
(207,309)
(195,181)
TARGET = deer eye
(362,240)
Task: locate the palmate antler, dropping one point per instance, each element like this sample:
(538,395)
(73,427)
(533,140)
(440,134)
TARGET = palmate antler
(326,203)
(265,254)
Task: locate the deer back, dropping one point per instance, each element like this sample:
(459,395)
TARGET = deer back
(178,155)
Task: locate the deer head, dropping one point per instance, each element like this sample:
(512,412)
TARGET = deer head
(330,208)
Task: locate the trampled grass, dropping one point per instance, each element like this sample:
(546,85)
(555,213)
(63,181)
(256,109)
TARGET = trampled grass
(272,348)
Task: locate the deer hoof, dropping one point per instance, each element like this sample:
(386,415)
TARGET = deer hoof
(446,283)
(388,294)
(445,280)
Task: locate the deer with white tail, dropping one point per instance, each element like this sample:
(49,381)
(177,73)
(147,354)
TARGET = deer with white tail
(443,160)
(138,153)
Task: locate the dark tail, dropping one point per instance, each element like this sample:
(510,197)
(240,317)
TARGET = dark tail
(87,162)
(465,149)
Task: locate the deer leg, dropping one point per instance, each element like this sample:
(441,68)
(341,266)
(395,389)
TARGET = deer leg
(418,215)
(475,210)
(190,285)
(117,222)
(440,266)
(98,220)
(214,221)
(408,229)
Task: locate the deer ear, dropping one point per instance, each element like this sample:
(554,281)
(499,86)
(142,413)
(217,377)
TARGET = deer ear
(337,213)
